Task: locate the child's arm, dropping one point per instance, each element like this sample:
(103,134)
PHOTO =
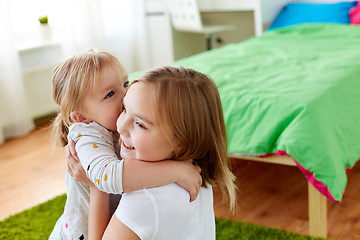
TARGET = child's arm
(74,167)
(136,174)
(96,151)
(99,213)
(120,230)
(141,174)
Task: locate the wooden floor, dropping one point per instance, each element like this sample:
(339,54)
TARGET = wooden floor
(269,195)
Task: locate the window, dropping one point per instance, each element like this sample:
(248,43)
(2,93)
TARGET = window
(25,18)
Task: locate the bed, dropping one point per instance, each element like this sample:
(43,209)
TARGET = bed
(291,96)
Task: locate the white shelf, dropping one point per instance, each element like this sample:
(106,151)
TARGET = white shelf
(39,55)
(36,44)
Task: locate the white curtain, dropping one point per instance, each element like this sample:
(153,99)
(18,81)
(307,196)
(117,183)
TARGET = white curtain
(14,118)
(116,26)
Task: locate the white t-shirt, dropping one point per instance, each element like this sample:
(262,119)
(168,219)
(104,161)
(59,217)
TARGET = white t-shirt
(165,212)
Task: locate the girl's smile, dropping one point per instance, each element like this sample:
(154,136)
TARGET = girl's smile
(126,146)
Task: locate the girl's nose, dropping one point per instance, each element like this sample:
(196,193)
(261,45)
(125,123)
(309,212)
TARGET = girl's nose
(121,125)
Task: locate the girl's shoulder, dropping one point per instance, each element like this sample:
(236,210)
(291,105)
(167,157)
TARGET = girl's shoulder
(92,130)
(170,193)
(87,126)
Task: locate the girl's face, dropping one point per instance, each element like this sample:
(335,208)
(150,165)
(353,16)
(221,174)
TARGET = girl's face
(105,103)
(141,136)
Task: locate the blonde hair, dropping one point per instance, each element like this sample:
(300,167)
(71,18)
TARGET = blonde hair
(190,112)
(72,79)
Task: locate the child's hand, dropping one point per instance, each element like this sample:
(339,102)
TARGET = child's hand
(74,166)
(191,179)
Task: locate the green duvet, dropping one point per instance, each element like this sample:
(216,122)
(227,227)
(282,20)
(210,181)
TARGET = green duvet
(293,90)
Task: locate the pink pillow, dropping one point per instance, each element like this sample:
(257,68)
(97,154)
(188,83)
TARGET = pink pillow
(355,14)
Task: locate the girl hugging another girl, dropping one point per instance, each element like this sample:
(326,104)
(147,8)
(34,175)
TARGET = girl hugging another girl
(172,113)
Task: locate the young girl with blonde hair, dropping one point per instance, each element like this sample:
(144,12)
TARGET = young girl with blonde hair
(173,113)
(89,88)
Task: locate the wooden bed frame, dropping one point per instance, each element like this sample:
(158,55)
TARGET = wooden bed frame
(317,203)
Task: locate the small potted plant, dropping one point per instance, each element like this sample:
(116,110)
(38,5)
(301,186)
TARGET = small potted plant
(45,28)
(43,19)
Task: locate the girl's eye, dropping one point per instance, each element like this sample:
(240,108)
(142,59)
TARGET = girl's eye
(138,123)
(110,94)
(126,84)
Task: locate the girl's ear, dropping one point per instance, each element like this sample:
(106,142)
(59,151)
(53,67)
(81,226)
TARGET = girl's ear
(180,149)
(77,117)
